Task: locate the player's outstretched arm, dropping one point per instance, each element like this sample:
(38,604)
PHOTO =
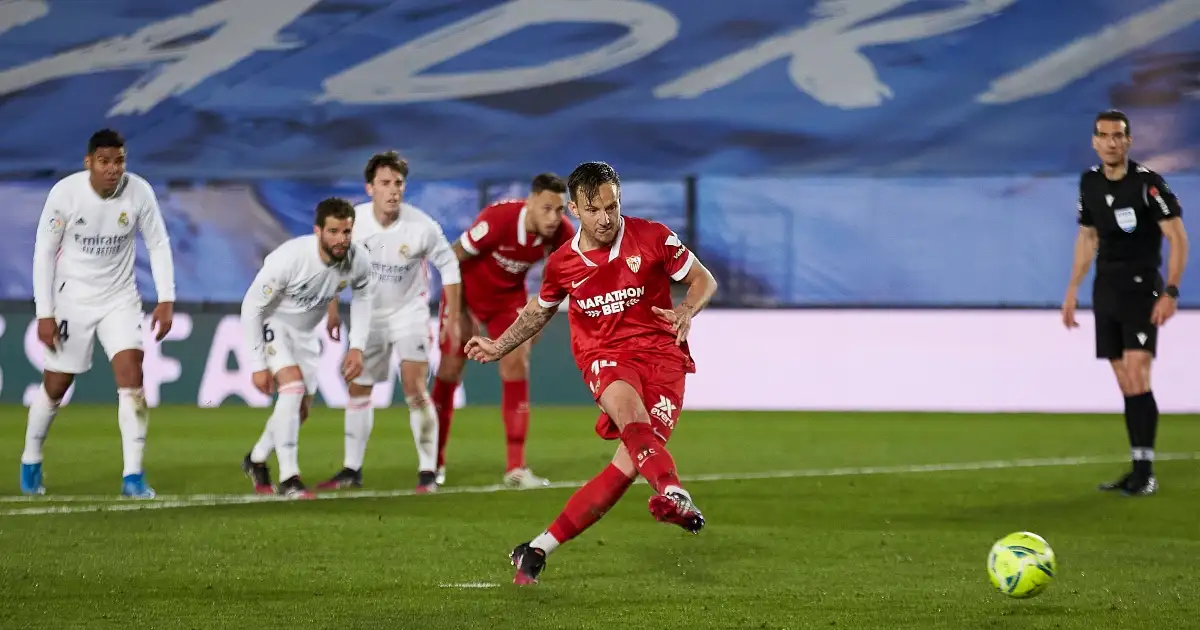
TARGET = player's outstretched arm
(460,253)
(162,263)
(445,257)
(1086,245)
(1177,240)
(260,299)
(701,287)
(532,319)
(361,298)
(333,320)
(45,249)
(1085,253)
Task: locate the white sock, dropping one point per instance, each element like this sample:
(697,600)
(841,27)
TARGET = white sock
(134,418)
(41,415)
(1136,453)
(545,542)
(677,489)
(285,429)
(360,419)
(262,449)
(422,418)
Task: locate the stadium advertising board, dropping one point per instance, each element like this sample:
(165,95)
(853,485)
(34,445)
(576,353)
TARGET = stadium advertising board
(748,360)
(1020,361)
(201,363)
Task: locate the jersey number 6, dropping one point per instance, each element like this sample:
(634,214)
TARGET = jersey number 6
(268,334)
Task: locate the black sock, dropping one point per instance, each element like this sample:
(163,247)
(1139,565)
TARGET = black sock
(1142,424)
(1130,424)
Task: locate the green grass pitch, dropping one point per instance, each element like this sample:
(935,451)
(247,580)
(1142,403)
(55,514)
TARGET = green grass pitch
(798,535)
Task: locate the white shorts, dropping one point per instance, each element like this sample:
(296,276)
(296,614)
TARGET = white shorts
(118,327)
(288,346)
(410,339)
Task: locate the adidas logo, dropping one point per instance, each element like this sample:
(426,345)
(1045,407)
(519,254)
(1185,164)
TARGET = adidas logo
(81,221)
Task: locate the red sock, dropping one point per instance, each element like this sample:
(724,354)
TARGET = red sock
(514,405)
(443,401)
(650,455)
(589,503)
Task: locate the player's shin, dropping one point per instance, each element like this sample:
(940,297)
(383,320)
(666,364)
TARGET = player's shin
(133,418)
(651,457)
(42,410)
(285,429)
(423,419)
(514,403)
(1143,421)
(263,447)
(587,506)
(360,420)
(443,403)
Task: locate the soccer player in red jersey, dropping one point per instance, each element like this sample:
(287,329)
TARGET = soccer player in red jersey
(629,342)
(495,255)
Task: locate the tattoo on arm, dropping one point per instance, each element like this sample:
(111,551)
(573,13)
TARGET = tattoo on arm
(527,325)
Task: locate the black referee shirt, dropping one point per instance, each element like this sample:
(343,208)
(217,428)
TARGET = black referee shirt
(1125,214)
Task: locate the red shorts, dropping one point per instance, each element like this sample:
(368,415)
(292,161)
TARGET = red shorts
(661,391)
(495,320)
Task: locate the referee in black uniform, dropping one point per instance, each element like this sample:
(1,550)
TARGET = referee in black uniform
(1125,210)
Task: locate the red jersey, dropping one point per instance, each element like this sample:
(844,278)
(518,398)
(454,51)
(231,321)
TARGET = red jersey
(502,253)
(612,290)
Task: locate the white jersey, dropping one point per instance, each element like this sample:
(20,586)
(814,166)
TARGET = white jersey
(294,288)
(400,256)
(84,249)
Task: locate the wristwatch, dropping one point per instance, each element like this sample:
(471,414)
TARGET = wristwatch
(1172,291)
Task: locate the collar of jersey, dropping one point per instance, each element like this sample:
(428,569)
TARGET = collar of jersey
(613,252)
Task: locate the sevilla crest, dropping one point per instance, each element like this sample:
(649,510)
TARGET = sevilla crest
(634,262)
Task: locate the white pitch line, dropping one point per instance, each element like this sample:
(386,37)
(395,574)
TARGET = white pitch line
(104,503)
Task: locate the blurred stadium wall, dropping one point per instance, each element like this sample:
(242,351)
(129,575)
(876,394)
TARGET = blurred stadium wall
(885,190)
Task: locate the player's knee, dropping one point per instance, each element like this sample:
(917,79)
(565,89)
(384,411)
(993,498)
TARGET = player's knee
(515,366)
(450,368)
(288,375)
(358,390)
(127,369)
(56,384)
(1137,377)
(417,401)
(415,393)
(628,412)
(135,395)
(624,463)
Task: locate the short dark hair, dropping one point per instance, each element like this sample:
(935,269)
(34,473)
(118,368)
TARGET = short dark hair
(1113,115)
(587,178)
(105,139)
(334,207)
(548,181)
(387,159)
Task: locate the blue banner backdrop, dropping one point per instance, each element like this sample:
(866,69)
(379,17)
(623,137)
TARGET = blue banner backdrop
(660,88)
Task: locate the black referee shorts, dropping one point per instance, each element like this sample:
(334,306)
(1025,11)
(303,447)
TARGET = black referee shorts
(1122,304)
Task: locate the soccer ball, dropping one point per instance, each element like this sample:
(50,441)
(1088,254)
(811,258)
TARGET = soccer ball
(1021,565)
